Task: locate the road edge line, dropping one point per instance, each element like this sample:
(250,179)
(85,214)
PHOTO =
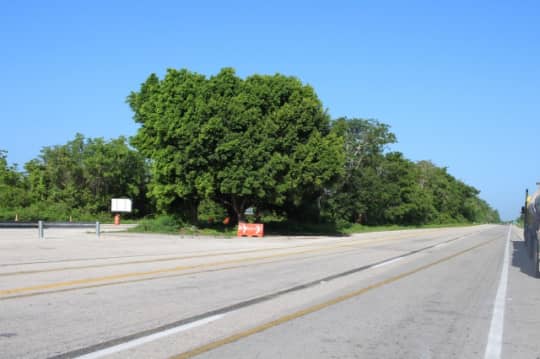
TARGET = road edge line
(496,329)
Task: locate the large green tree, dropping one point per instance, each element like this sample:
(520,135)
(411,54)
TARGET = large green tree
(261,141)
(364,141)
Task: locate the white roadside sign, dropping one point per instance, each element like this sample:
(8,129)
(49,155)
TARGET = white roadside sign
(120,205)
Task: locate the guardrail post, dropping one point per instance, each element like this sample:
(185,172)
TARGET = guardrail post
(97,229)
(40,230)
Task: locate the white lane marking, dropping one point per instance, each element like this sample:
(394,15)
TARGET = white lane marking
(441,244)
(387,262)
(495,336)
(140,341)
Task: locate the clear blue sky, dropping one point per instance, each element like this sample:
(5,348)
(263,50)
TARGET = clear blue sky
(458,81)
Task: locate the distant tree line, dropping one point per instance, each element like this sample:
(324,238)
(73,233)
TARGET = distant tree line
(210,147)
(77,180)
(386,188)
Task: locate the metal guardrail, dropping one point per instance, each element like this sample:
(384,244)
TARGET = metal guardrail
(18,225)
(41,226)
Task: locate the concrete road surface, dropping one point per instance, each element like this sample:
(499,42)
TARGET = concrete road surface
(433,293)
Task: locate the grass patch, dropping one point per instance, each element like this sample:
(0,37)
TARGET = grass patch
(172,225)
(160,224)
(293,228)
(209,230)
(358,228)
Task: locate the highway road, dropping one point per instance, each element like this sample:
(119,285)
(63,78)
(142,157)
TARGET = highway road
(464,292)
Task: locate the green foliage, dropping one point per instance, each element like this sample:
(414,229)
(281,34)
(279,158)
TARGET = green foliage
(50,211)
(261,141)
(382,189)
(160,224)
(364,142)
(13,185)
(211,212)
(85,174)
(76,180)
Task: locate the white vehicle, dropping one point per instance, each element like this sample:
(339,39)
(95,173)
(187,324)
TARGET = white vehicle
(531,213)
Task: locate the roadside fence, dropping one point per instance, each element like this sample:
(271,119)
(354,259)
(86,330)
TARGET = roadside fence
(41,226)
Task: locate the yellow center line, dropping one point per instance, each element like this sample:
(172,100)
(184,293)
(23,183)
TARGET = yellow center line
(168,259)
(115,277)
(56,285)
(265,326)
(352,242)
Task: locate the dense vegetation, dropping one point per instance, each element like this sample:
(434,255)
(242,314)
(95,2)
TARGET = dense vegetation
(74,180)
(212,147)
(264,141)
(386,188)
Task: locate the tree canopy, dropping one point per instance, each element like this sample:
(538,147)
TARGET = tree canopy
(80,176)
(12,184)
(261,141)
(386,188)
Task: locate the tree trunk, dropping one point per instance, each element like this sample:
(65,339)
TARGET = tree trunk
(189,210)
(194,213)
(239,209)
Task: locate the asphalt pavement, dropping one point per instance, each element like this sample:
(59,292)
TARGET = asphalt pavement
(429,293)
